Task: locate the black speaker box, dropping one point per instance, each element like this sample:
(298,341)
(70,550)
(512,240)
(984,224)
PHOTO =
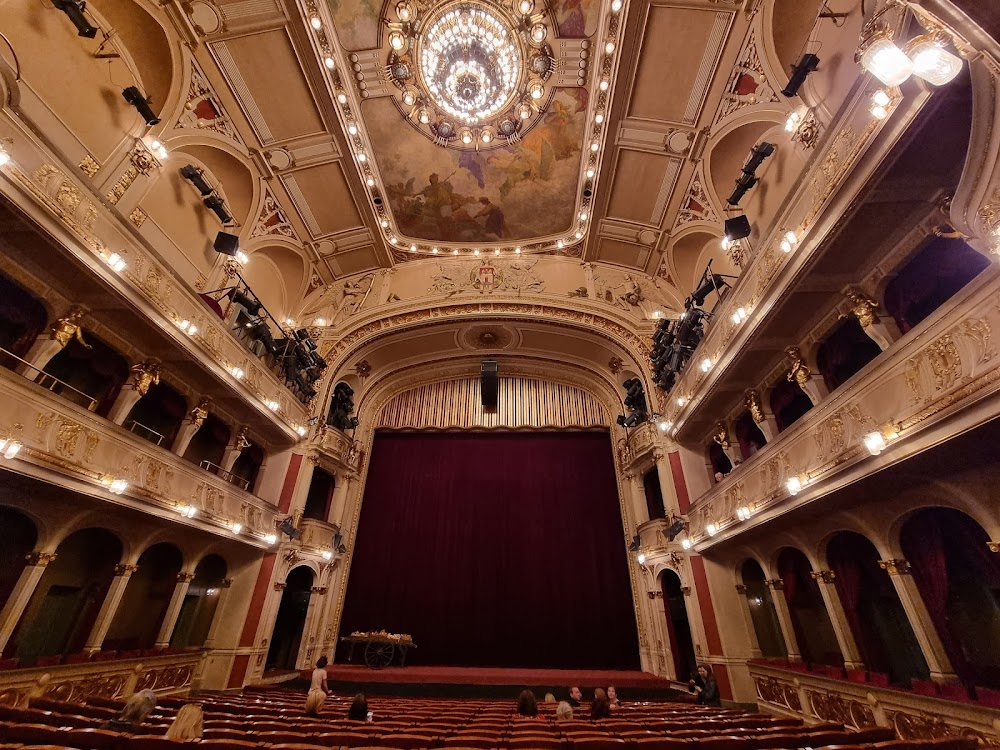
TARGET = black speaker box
(738,227)
(489,385)
(226,243)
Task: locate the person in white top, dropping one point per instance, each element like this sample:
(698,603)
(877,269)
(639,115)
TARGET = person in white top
(318,689)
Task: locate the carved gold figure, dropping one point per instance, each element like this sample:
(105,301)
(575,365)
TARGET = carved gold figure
(753,403)
(199,413)
(864,308)
(146,374)
(66,329)
(241,440)
(798,372)
(721,435)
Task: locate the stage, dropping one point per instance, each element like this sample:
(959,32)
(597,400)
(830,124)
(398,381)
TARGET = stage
(490,682)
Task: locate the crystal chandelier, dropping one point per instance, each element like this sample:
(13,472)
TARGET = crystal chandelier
(470,73)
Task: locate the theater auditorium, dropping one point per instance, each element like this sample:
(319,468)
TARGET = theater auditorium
(499,374)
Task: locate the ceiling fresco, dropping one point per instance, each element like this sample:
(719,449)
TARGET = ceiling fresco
(509,193)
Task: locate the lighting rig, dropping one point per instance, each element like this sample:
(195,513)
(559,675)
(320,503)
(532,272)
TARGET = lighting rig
(635,404)
(748,176)
(341,408)
(212,200)
(675,340)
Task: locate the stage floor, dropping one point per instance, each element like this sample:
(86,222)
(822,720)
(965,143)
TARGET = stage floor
(493,677)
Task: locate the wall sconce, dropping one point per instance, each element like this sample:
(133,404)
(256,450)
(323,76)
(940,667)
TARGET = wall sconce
(270,538)
(793,485)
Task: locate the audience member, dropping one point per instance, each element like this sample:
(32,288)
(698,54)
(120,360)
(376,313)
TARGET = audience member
(613,697)
(549,698)
(705,688)
(526,705)
(189,724)
(359,709)
(564,711)
(600,708)
(575,696)
(137,708)
(318,688)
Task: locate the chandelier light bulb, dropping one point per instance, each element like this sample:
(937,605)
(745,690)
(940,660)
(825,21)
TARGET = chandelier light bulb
(475,252)
(329,62)
(525,6)
(4,156)
(434,250)
(301,431)
(686,543)
(270,538)
(524,111)
(424,116)
(682,401)
(706,364)
(370,182)
(616,6)
(590,174)
(409,98)
(404,12)
(487,135)
(538,32)
(609,48)
(236,527)
(517,250)
(933,63)
(342,97)
(361,156)
(604,84)
(536,90)
(881,98)
(579,235)
(887,62)
(455,251)
(641,558)
(497,251)
(595,146)
(792,123)
(711,529)
(316,23)
(583,216)
(599,118)
(397,41)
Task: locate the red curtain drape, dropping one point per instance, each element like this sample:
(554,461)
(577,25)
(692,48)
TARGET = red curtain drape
(852,562)
(495,549)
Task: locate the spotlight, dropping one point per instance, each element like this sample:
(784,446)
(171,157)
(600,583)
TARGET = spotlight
(134,97)
(737,227)
(227,244)
(75,11)
(807,65)
(634,544)
(757,156)
(932,62)
(746,181)
(245,300)
(287,528)
(216,204)
(197,178)
(674,529)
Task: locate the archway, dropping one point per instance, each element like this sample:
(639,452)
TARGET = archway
(291,619)
(788,403)
(247,465)
(874,612)
(959,581)
(200,603)
(18,537)
(22,318)
(96,373)
(69,595)
(678,626)
(719,462)
(147,596)
(810,620)
(844,353)
(320,495)
(209,442)
(748,435)
(158,415)
(762,613)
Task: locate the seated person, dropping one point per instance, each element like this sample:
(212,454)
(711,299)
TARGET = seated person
(549,698)
(564,711)
(613,697)
(575,696)
(600,708)
(189,724)
(359,708)
(705,688)
(137,708)
(526,704)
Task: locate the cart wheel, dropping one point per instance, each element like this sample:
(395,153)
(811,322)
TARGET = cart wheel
(378,655)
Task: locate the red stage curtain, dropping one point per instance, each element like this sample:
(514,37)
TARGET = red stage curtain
(495,549)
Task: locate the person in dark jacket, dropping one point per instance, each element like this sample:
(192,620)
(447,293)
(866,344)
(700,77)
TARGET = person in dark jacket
(705,688)
(359,708)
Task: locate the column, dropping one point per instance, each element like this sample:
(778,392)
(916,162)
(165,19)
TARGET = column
(755,652)
(841,628)
(339,503)
(777,587)
(196,418)
(22,593)
(638,497)
(63,331)
(234,449)
(213,630)
(311,635)
(173,610)
(763,418)
(114,597)
(143,376)
(865,310)
(815,389)
(936,657)
(302,482)
(670,502)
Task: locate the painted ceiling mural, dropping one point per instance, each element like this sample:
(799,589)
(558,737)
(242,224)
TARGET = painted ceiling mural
(510,193)
(506,193)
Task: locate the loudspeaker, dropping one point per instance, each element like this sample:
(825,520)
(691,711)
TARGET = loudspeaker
(226,243)
(738,227)
(489,386)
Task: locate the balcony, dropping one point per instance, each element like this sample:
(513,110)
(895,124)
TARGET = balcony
(913,397)
(338,447)
(862,705)
(58,436)
(317,534)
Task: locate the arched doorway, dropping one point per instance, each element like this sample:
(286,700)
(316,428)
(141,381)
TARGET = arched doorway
(871,604)
(158,415)
(147,596)
(69,595)
(320,495)
(18,537)
(810,620)
(291,619)
(959,581)
(762,613)
(200,603)
(678,626)
(654,494)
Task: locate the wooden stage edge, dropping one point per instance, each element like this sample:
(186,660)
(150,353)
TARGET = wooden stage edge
(417,674)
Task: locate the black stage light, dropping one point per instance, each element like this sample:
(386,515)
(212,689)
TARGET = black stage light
(75,11)
(760,152)
(800,72)
(635,544)
(226,244)
(134,97)
(621,420)
(712,284)
(746,181)
(247,301)
(197,178)
(737,227)
(674,529)
(677,357)
(286,527)
(215,203)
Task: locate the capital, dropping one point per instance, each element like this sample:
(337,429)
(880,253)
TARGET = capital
(823,576)
(124,571)
(898,567)
(185,577)
(798,372)
(40,559)
(776,584)
(863,307)
(144,375)
(199,414)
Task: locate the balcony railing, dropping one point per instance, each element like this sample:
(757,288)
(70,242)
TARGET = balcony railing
(49,382)
(70,440)
(861,705)
(148,433)
(226,476)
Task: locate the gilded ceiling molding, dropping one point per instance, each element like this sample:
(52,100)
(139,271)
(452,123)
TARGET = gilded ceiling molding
(271,219)
(204,111)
